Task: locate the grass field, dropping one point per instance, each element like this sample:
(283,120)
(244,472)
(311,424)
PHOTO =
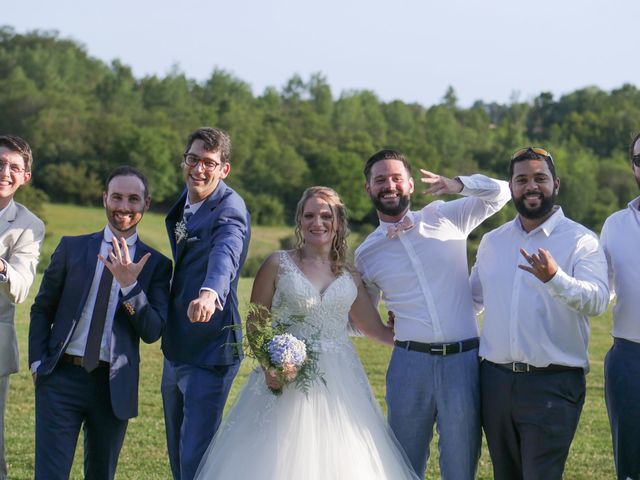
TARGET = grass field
(144,453)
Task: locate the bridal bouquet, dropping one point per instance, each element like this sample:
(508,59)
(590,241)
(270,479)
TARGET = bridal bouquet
(290,359)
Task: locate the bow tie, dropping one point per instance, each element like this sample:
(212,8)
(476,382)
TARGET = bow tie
(394,231)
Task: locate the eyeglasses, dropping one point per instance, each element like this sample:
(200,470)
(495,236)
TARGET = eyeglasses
(13,167)
(636,160)
(535,150)
(192,160)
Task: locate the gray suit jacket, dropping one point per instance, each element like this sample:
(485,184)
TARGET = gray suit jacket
(21,234)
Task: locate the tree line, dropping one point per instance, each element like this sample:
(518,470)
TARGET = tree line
(83,116)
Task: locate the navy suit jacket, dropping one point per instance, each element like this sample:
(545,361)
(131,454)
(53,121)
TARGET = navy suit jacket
(210,256)
(140,314)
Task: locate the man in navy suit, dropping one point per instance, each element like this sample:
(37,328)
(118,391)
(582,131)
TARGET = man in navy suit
(99,296)
(209,233)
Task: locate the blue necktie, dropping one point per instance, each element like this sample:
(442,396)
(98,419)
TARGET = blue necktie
(187,213)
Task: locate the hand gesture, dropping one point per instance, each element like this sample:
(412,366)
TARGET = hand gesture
(541,264)
(439,184)
(391,320)
(273,379)
(122,268)
(201,308)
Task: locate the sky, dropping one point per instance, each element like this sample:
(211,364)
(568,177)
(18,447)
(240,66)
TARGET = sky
(411,50)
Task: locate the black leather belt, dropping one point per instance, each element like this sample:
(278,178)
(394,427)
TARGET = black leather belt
(75,360)
(439,348)
(519,367)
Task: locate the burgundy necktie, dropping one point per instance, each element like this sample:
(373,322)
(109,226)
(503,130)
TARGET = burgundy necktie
(94,338)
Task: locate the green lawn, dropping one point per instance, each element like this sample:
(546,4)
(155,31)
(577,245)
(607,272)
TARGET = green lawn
(144,456)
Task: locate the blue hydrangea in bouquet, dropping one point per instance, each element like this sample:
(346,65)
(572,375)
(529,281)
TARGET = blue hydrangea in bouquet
(290,359)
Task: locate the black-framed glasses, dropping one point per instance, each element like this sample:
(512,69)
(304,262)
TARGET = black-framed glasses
(636,160)
(192,160)
(13,167)
(541,152)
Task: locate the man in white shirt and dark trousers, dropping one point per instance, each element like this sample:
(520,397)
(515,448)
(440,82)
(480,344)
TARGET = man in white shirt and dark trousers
(620,239)
(418,262)
(539,277)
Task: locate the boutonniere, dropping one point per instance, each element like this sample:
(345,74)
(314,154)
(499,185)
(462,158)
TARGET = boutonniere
(180,231)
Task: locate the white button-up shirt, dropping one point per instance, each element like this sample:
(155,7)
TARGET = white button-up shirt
(620,240)
(78,341)
(526,320)
(423,274)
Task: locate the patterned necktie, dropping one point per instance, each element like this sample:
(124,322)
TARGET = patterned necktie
(394,231)
(94,338)
(187,213)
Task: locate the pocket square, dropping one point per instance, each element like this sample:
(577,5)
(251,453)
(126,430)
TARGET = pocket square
(129,308)
(193,239)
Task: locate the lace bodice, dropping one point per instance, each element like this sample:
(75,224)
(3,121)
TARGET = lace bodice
(325,314)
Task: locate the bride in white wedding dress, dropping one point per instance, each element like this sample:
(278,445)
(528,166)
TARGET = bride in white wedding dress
(333,431)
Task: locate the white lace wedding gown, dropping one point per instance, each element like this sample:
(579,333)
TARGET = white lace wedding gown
(335,431)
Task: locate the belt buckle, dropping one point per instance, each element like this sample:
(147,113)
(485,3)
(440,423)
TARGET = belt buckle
(440,349)
(519,367)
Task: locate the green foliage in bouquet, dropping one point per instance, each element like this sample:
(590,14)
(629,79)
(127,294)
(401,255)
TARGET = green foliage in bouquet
(262,330)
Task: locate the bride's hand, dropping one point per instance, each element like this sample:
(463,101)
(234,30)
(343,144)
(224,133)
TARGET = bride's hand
(271,376)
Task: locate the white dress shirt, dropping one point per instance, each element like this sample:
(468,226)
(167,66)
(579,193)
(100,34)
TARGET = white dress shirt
(526,320)
(423,273)
(78,341)
(620,239)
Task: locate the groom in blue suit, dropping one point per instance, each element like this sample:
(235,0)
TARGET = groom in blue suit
(100,295)
(209,234)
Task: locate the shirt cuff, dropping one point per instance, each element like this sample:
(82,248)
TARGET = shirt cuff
(217,300)
(126,290)
(559,283)
(464,179)
(35,365)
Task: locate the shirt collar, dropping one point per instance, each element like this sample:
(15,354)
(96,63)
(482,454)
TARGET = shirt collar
(193,206)
(384,225)
(633,204)
(108,236)
(4,210)
(549,224)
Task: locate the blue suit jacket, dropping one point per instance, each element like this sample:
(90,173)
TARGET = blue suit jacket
(140,314)
(210,257)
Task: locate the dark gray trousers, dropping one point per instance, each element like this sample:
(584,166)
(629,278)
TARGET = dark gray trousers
(529,420)
(622,393)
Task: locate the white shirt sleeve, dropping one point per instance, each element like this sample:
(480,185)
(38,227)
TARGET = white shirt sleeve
(586,291)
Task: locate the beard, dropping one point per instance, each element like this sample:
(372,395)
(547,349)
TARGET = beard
(391,210)
(123,226)
(546,205)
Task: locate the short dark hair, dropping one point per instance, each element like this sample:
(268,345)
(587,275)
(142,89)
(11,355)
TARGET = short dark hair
(528,153)
(126,171)
(633,144)
(385,154)
(18,145)
(214,139)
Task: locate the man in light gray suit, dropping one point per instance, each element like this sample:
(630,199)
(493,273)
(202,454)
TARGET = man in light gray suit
(21,233)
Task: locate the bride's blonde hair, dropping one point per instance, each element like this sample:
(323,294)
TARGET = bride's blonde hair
(340,222)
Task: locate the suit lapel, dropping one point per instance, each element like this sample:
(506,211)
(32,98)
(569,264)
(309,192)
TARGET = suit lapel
(91,259)
(202,215)
(212,202)
(141,250)
(9,217)
(174,215)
